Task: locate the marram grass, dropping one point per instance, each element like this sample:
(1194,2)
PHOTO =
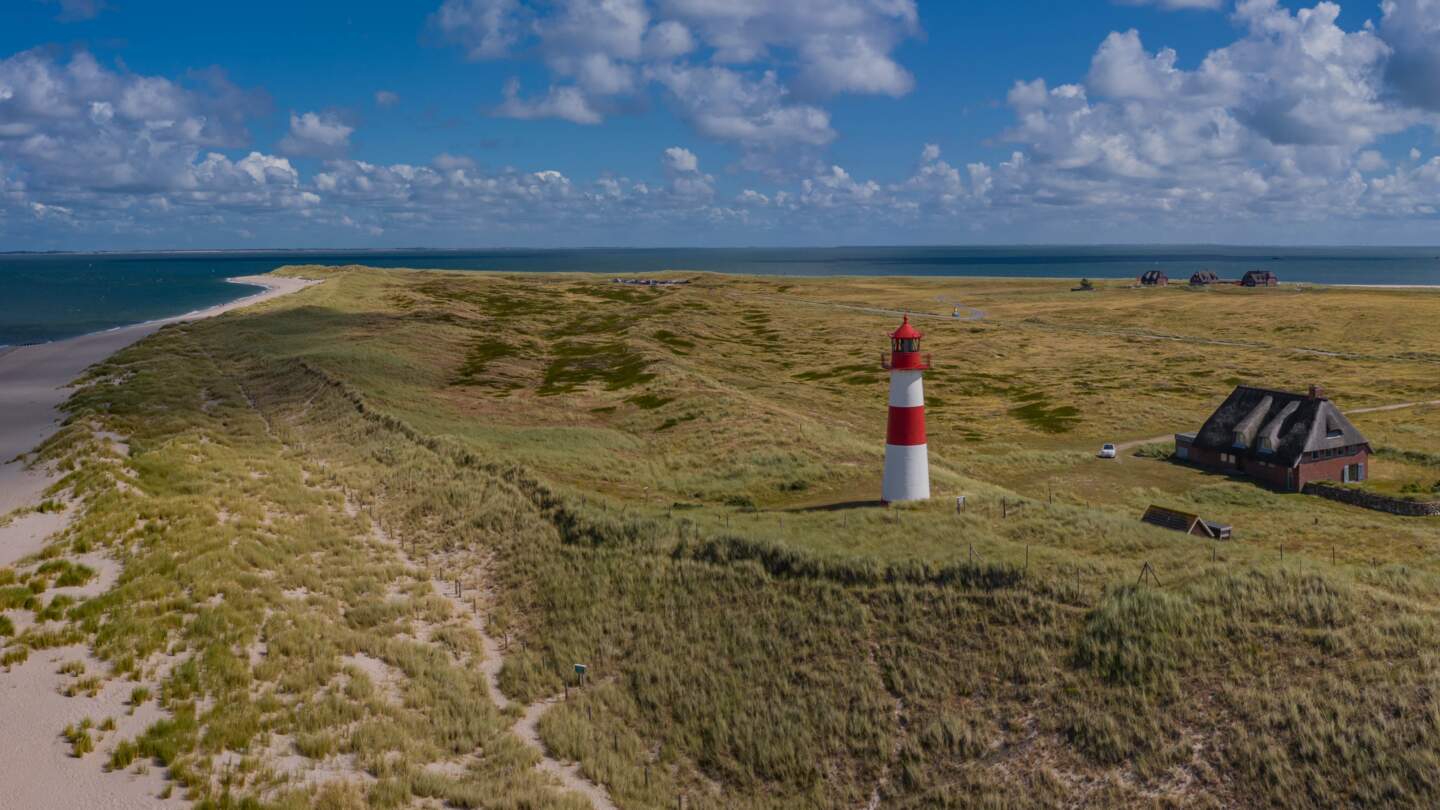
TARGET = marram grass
(746,649)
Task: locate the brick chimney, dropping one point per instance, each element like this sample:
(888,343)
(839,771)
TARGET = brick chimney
(1317,392)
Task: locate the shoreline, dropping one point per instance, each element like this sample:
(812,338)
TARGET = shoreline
(194,314)
(35,381)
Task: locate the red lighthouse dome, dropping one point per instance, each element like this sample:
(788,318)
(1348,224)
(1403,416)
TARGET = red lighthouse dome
(905,349)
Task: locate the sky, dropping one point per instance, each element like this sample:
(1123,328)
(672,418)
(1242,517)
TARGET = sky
(171,124)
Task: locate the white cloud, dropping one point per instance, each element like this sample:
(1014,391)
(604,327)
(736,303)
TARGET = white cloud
(78,10)
(565,102)
(726,105)
(1177,5)
(1281,123)
(1412,30)
(447,162)
(485,28)
(316,135)
(678,159)
(682,169)
(602,54)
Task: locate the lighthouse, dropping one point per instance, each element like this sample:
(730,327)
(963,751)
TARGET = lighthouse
(907,461)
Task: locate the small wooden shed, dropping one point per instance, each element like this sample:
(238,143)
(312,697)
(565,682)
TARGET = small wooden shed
(1178,521)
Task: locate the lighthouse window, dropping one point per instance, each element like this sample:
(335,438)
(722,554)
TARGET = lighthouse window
(907,345)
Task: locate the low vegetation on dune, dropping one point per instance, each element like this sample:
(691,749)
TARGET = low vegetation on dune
(337,508)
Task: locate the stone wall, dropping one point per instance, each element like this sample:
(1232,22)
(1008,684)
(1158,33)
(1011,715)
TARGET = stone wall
(1370,500)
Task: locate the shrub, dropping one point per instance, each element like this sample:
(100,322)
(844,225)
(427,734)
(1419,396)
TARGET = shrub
(1137,635)
(125,753)
(14,655)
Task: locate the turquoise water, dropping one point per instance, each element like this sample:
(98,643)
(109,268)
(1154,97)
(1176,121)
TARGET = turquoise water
(53,296)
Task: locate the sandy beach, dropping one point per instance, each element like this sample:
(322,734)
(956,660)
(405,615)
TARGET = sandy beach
(34,382)
(36,767)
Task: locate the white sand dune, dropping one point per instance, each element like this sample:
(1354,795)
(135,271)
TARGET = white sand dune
(36,769)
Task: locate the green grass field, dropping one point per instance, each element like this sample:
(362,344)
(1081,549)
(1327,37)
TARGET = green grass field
(676,487)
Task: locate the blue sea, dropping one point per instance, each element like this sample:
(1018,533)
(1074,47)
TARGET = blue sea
(52,296)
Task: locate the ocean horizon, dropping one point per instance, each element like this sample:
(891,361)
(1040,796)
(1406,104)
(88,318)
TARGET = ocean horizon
(53,296)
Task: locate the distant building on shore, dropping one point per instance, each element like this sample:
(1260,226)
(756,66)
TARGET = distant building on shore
(1282,439)
(650,282)
(1260,278)
(1204,278)
(1154,278)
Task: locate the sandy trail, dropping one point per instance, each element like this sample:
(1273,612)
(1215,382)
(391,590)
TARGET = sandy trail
(527,728)
(36,769)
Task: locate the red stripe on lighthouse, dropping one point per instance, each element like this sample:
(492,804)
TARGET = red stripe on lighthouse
(907,426)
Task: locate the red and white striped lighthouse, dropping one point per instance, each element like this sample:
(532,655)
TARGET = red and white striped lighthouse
(907,460)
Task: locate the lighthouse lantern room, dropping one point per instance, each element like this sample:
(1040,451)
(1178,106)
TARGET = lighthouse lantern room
(907,460)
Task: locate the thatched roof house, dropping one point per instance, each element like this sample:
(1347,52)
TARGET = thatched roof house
(1286,440)
(1260,278)
(1204,277)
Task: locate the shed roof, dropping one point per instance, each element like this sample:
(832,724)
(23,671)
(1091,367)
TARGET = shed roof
(1276,426)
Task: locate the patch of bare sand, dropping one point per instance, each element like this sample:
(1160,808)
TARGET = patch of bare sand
(26,534)
(387,679)
(36,768)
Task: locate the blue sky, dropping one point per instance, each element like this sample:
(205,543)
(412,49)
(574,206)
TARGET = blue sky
(636,122)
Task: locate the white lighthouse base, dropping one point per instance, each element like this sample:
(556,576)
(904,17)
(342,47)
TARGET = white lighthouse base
(907,473)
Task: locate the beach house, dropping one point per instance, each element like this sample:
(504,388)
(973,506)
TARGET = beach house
(1260,278)
(1282,439)
(1154,278)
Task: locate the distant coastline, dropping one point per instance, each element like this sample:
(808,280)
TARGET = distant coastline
(57,295)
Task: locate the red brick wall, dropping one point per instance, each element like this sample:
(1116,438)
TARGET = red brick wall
(1332,469)
(1325,469)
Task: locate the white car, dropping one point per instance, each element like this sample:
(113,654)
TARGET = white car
(1107,451)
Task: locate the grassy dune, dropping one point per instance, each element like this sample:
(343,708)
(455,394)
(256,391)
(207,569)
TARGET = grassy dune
(671,486)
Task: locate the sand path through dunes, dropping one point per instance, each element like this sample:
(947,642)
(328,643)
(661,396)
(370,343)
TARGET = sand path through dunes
(527,728)
(34,382)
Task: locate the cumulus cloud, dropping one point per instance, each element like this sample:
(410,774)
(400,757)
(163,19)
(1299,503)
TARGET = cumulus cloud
(78,10)
(717,63)
(82,125)
(1412,30)
(682,169)
(485,28)
(316,135)
(1282,122)
(1177,5)
(564,102)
